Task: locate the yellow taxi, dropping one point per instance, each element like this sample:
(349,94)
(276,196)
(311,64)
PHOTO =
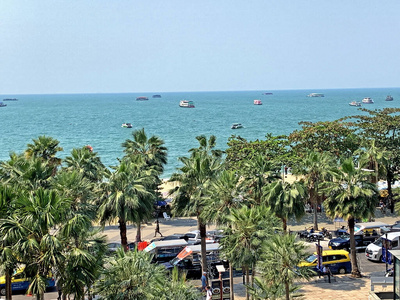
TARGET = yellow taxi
(338,261)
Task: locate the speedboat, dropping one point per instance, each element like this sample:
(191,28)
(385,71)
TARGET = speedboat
(236,126)
(257,102)
(315,95)
(367,100)
(186,103)
(2,104)
(355,103)
(389,98)
(127,125)
(142,98)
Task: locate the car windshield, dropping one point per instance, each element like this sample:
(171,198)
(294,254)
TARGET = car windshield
(311,258)
(378,242)
(190,235)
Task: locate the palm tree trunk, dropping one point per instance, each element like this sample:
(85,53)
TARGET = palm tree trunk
(122,233)
(287,290)
(138,233)
(8,284)
(232,293)
(253,274)
(202,228)
(314,201)
(355,272)
(247,282)
(284,224)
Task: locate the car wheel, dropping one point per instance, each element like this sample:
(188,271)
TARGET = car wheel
(3,291)
(381,259)
(342,271)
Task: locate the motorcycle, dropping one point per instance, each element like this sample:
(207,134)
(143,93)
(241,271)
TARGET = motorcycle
(326,233)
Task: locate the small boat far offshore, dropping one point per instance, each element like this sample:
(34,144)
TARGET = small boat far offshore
(10,99)
(236,126)
(2,104)
(126,125)
(266,94)
(257,102)
(156,96)
(186,104)
(142,98)
(389,98)
(315,95)
(367,100)
(355,103)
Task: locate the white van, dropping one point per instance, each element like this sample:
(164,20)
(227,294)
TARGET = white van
(374,250)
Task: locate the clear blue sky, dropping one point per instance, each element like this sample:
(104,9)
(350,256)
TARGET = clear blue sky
(100,46)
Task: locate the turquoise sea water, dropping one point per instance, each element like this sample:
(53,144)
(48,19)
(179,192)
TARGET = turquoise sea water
(95,119)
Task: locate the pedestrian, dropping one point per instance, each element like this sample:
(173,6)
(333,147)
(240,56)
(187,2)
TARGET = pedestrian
(209,293)
(157,229)
(327,272)
(204,281)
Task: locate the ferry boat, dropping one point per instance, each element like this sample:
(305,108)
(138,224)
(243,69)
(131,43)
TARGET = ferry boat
(142,98)
(126,125)
(367,100)
(156,96)
(315,95)
(355,103)
(267,94)
(257,102)
(389,98)
(2,104)
(186,103)
(236,126)
(10,99)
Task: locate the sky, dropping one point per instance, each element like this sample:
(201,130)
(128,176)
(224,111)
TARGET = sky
(115,46)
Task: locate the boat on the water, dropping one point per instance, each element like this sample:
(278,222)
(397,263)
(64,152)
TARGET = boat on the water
(355,103)
(156,96)
(186,104)
(315,95)
(389,98)
(257,102)
(367,100)
(10,99)
(2,104)
(142,98)
(267,94)
(126,125)
(236,126)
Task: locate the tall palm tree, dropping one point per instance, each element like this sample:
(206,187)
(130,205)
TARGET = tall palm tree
(278,265)
(350,196)
(46,148)
(87,163)
(314,169)
(151,150)
(31,227)
(123,197)
(195,177)
(257,173)
(286,200)
(248,227)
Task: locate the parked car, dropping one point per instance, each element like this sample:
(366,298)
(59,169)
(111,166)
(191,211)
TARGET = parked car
(343,242)
(113,247)
(374,250)
(175,236)
(338,261)
(19,282)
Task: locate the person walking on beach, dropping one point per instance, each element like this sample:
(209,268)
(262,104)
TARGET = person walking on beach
(157,229)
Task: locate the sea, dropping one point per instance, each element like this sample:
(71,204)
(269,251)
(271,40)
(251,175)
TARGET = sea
(77,120)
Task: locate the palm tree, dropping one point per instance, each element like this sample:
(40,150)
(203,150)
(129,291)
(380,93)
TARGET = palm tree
(45,148)
(178,289)
(87,163)
(125,194)
(247,228)
(31,227)
(257,173)
(131,275)
(350,196)
(314,169)
(286,200)
(223,195)
(195,177)
(151,150)
(278,265)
